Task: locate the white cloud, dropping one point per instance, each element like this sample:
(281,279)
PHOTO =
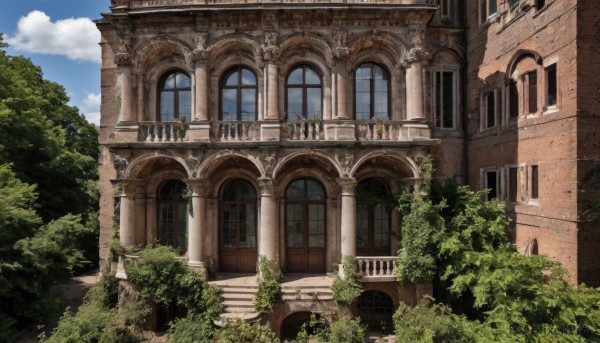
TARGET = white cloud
(91,108)
(93,117)
(75,38)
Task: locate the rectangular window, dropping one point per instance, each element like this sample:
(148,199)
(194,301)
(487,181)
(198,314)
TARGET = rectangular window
(513,100)
(532,91)
(444,105)
(445,8)
(513,182)
(487,8)
(488,110)
(491,183)
(534,182)
(551,86)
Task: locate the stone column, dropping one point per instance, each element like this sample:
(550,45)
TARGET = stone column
(269,217)
(341,89)
(348,216)
(272,90)
(127,213)
(201,92)
(123,59)
(140,97)
(197,226)
(414,90)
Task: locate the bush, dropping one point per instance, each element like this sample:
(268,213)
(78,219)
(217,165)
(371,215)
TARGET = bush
(347,289)
(191,330)
(269,289)
(347,330)
(238,331)
(316,330)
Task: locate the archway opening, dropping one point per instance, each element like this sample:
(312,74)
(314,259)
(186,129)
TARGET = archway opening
(307,322)
(375,309)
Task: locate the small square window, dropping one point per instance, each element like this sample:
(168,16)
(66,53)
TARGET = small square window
(487,8)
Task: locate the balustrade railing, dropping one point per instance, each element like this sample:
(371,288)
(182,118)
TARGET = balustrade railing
(306,130)
(235,131)
(161,131)
(380,130)
(375,267)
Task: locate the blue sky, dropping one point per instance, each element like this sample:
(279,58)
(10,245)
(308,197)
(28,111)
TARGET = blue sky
(59,37)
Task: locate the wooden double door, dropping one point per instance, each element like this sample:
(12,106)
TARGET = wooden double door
(306,234)
(238,234)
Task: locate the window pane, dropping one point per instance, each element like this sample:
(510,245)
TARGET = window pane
(438,106)
(381,99)
(513,99)
(248,78)
(364,72)
(512,184)
(491,110)
(183,81)
(532,92)
(362,226)
(552,86)
(315,191)
(294,98)
(295,191)
(229,105)
(295,77)
(169,82)
(232,79)
(493,7)
(312,78)
(313,99)
(534,182)
(363,100)
(248,104)
(167,106)
(185,104)
(491,184)
(448,100)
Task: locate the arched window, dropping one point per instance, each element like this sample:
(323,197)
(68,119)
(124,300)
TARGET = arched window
(372,219)
(304,97)
(172,214)
(371,92)
(238,227)
(375,309)
(305,226)
(175,97)
(238,95)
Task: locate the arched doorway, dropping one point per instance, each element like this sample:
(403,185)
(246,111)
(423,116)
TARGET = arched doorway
(305,214)
(373,219)
(172,215)
(375,310)
(292,325)
(237,232)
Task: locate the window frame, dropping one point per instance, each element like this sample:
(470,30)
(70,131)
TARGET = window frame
(454,98)
(175,235)
(485,184)
(238,87)
(551,65)
(484,109)
(372,91)
(485,15)
(160,89)
(528,90)
(304,87)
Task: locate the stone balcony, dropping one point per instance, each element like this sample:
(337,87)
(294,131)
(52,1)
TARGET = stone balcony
(394,132)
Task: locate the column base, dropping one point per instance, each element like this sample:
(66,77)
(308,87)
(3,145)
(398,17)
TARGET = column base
(270,131)
(199,267)
(198,131)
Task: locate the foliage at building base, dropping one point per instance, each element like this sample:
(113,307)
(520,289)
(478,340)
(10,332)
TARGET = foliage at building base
(346,289)
(343,330)
(269,290)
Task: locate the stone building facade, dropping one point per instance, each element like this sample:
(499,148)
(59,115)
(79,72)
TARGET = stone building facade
(235,129)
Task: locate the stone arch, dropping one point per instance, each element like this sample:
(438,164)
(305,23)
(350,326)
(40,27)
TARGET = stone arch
(389,159)
(234,44)
(153,50)
(518,56)
(145,165)
(324,160)
(299,43)
(441,55)
(377,315)
(289,322)
(212,164)
(383,47)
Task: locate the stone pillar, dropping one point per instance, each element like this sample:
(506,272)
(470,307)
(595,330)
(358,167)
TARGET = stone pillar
(123,59)
(269,217)
(197,227)
(341,89)
(414,91)
(127,213)
(201,92)
(348,216)
(272,90)
(140,97)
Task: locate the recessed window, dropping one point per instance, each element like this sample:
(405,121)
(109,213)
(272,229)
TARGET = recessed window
(175,94)
(513,99)
(551,85)
(239,95)
(490,182)
(172,214)
(513,183)
(304,93)
(489,108)
(532,105)
(487,8)
(539,4)
(534,182)
(371,92)
(444,104)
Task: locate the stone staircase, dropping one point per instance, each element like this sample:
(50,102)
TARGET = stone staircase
(237,292)
(307,288)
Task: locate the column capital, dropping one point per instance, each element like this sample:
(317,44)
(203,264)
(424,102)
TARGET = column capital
(197,186)
(348,185)
(129,187)
(267,186)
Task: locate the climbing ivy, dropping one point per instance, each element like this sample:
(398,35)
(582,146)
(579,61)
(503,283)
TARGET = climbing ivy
(269,289)
(346,289)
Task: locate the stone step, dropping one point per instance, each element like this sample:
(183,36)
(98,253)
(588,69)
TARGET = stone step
(307,297)
(240,310)
(238,296)
(319,290)
(226,289)
(238,303)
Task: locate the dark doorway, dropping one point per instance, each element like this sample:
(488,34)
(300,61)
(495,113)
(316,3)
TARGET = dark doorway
(373,219)
(375,310)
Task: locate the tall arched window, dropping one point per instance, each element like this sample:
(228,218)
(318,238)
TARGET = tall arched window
(172,214)
(304,93)
(371,95)
(372,219)
(239,94)
(238,227)
(175,91)
(305,226)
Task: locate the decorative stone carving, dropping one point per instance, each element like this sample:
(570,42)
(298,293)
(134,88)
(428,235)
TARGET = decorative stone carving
(123,55)
(268,160)
(120,163)
(201,40)
(193,162)
(267,186)
(341,49)
(348,185)
(200,53)
(346,160)
(418,51)
(269,49)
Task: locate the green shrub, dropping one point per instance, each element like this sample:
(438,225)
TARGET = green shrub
(191,330)
(315,330)
(238,331)
(347,289)
(269,289)
(347,330)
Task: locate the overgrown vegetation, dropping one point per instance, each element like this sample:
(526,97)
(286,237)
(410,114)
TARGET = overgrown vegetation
(343,330)
(238,331)
(48,194)
(269,290)
(452,236)
(346,289)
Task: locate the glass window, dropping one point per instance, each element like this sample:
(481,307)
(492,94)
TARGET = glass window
(373,225)
(444,104)
(175,97)
(534,182)
(303,93)
(491,183)
(488,119)
(532,91)
(513,99)
(239,95)
(238,216)
(371,92)
(172,214)
(551,85)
